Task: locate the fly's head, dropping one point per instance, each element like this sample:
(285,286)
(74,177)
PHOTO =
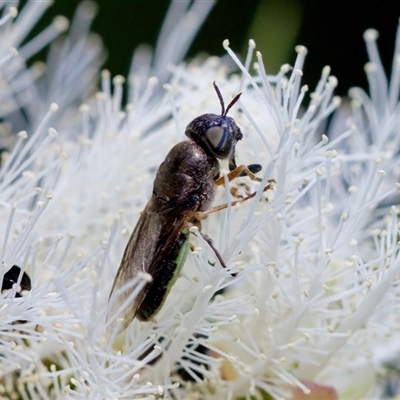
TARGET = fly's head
(217,134)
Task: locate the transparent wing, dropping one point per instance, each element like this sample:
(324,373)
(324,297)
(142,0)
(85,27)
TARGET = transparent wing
(152,241)
(137,258)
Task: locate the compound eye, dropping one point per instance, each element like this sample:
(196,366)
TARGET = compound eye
(219,140)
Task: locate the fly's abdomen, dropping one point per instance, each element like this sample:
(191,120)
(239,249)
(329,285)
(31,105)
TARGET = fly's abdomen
(164,277)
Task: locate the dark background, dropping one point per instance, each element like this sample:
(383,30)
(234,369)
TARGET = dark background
(331,30)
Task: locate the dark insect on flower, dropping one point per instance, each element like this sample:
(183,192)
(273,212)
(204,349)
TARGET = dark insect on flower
(11,278)
(194,360)
(183,191)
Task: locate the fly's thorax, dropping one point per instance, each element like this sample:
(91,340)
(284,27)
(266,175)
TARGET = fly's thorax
(185,180)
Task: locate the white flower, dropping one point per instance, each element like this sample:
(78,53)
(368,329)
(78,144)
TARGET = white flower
(315,257)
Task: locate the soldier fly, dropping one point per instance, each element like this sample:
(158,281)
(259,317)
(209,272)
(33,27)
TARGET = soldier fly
(183,191)
(11,278)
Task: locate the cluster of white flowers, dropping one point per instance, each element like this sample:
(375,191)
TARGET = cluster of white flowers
(315,298)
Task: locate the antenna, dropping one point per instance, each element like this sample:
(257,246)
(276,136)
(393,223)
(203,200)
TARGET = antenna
(221,100)
(236,98)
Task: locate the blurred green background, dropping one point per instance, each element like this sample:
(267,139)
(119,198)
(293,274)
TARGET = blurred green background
(331,30)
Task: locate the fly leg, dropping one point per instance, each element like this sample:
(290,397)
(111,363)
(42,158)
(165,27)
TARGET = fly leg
(211,244)
(216,252)
(204,214)
(209,241)
(241,170)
